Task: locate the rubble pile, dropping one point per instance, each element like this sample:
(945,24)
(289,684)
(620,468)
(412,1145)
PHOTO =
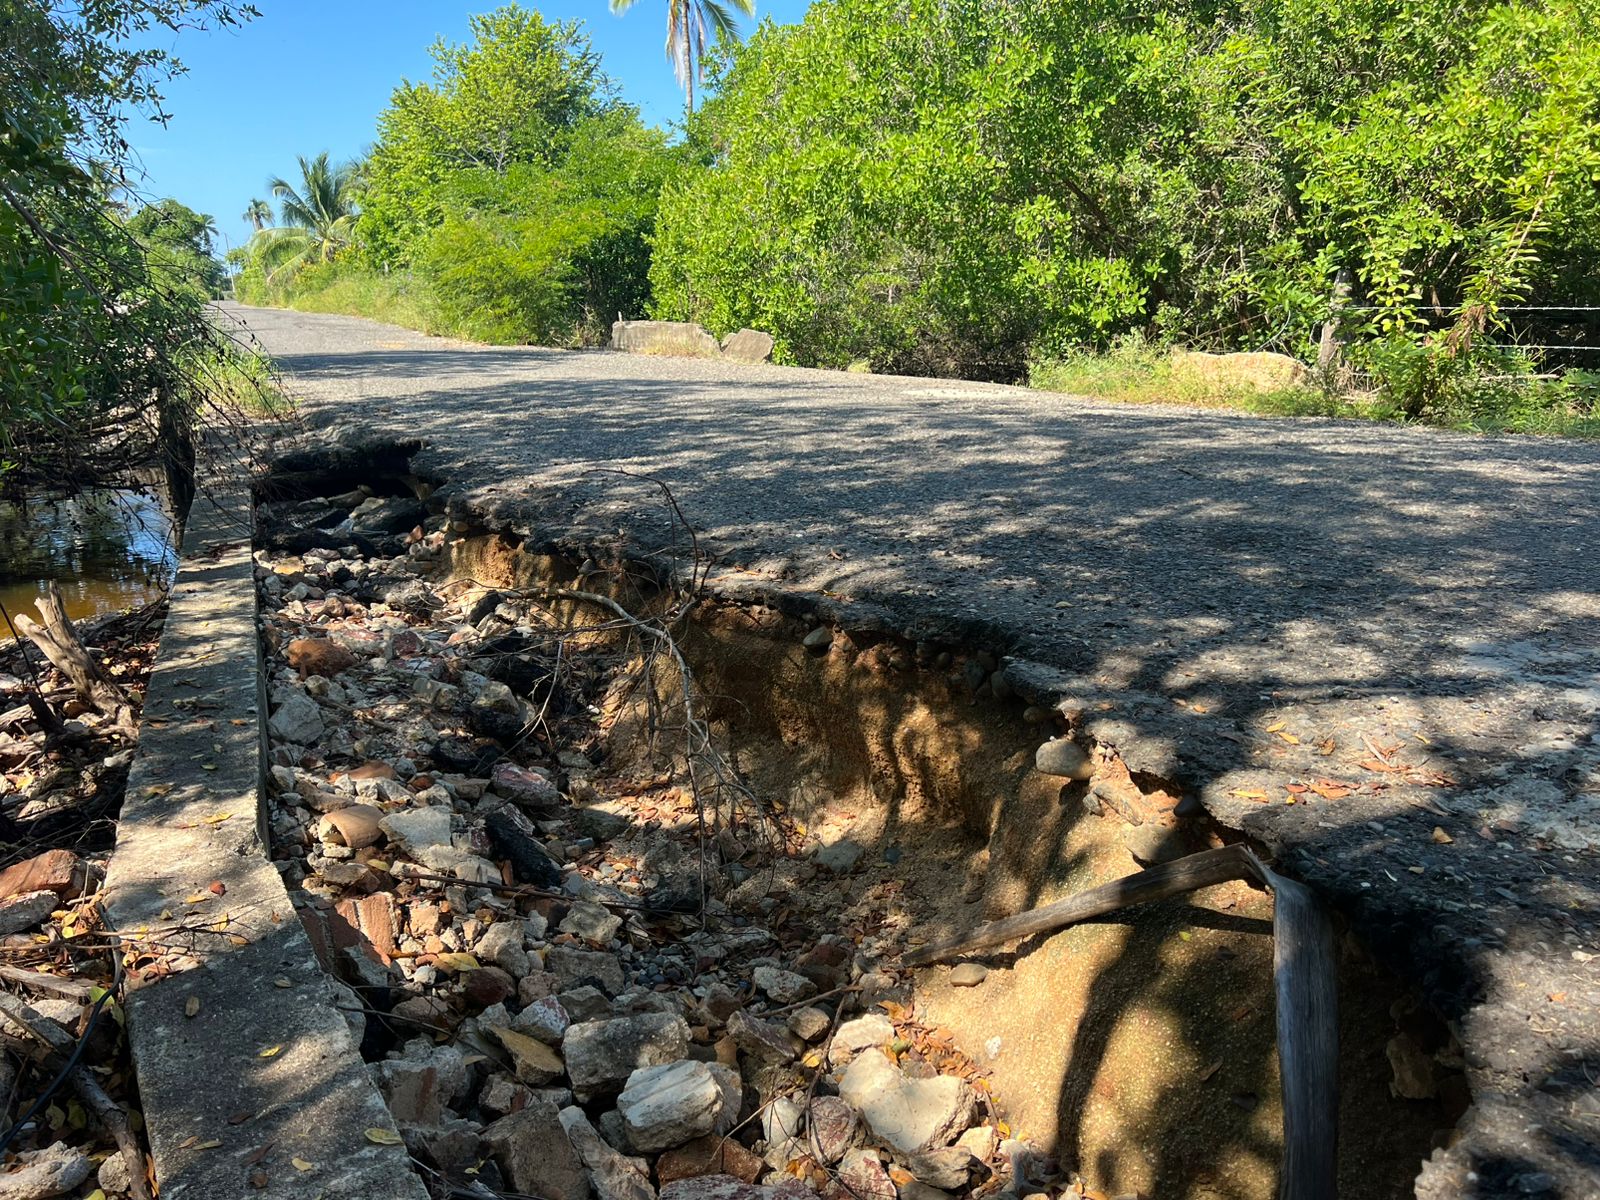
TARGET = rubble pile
(547,1006)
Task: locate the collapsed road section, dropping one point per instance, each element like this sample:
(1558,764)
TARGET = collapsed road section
(839,791)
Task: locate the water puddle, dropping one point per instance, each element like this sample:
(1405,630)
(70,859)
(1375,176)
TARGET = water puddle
(107,550)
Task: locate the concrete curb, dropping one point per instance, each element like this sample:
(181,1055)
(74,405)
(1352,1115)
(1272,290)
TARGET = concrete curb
(265,1070)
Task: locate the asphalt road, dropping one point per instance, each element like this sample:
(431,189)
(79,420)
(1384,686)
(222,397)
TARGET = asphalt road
(1244,592)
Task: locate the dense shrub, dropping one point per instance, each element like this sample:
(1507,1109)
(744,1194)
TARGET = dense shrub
(958,187)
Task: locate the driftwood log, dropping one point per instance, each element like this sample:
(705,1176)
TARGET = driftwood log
(1304,975)
(59,642)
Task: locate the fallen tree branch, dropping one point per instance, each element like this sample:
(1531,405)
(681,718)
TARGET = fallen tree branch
(1304,977)
(59,642)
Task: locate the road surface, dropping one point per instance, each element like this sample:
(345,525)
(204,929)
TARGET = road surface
(1262,600)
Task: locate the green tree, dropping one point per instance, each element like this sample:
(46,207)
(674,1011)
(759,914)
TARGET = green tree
(94,337)
(180,245)
(688,23)
(506,98)
(259,213)
(318,216)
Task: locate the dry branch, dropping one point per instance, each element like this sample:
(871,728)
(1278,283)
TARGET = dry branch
(1304,975)
(59,642)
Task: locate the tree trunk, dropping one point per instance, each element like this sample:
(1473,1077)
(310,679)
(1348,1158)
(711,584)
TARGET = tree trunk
(60,644)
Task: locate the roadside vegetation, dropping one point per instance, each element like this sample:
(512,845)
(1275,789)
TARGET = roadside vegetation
(107,356)
(1402,198)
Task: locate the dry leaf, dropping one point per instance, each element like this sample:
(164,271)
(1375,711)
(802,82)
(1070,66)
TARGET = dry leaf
(1275,726)
(1288,737)
(383,1137)
(191,1006)
(301,1164)
(270,1052)
(1440,836)
(210,1145)
(1245,794)
(217,888)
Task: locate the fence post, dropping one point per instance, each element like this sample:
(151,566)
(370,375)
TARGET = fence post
(1331,352)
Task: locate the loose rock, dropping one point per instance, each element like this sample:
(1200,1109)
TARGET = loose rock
(913,1116)
(613,1175)
(601,1055)
(668,1105)
(1063,757)
(535,1154)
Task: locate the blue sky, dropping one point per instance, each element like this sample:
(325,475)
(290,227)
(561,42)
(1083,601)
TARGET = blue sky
(312,75)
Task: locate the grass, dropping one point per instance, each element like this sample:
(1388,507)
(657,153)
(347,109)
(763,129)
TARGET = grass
(1135,372)
(393,299)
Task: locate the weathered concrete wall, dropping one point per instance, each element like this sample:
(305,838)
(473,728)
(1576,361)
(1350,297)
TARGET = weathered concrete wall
(244,1062)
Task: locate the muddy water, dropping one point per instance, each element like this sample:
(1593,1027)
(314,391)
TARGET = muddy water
(107,550)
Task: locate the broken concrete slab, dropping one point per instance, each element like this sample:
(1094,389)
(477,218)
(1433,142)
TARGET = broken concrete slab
(679,338)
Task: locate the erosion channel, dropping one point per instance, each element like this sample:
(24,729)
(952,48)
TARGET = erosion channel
(621,875)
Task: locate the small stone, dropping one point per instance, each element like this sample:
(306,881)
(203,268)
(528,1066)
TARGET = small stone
(591,922)
(818,640)
(863,1177)
(58,871)
(502,1094)
(53,1171)
(419,1084)
(487,986)
(945,1168)
(417,829)
(785,987)
(852,1037)
(544,1019)
(913,1116)
(1412,1069)
(1063,757)
(613,1175)
(522,786)
(18,913)
(535,1154)
(501,944)
(980,1141)
(534,1062)
(842,856)
(297,719)
(709,1155)
(835,1129)
(808,1023)
(585,1004)
(748,345)
(668,1105)
(113,1177)
(574,967)
(601,1055)
(968,974)
(714,1187)
(782,1120)
(760,1039)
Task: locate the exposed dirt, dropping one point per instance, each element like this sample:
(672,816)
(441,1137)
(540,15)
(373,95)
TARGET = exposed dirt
(1141,1049)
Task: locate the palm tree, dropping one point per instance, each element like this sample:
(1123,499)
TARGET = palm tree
(687,24)
(318,215)
(258,212)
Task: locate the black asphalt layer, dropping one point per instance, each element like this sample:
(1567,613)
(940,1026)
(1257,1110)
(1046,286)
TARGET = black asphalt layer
(1242,605)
